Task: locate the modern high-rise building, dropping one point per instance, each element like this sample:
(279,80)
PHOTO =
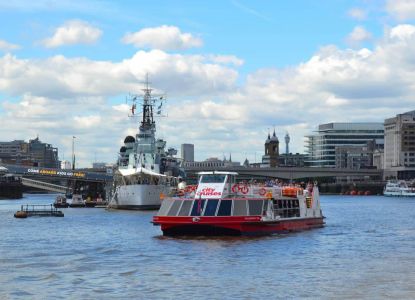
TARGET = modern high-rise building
(188,152)
(321,146)
(399,153)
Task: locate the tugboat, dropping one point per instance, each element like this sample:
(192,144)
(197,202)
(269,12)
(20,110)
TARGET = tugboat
(220,206)
(89,202)
(60,202)
(145,170)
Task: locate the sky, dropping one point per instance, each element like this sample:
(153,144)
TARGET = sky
(231,70)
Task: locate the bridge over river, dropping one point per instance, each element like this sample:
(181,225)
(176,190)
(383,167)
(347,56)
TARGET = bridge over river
(286,173)
(291,173)
(41,177)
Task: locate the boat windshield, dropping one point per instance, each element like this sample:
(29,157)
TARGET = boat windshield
(213,178)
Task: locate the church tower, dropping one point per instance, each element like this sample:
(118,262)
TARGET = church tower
(272,149)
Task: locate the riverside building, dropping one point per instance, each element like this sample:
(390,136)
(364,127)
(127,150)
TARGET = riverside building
(399,153)
(34,153)
(212,162)
(321,146)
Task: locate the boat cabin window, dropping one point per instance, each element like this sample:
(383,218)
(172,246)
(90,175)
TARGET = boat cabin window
(239,208)
(255,207)
(287,208)
(185,209)
(211,206)
(174,208)
(197,207)
(213,178)
(225,208)
(165,206)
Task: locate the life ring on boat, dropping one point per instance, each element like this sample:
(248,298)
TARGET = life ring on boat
(262,191)
(235,188)
(244,189)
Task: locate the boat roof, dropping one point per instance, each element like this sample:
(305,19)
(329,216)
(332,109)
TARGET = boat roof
(129,172)
(217,172)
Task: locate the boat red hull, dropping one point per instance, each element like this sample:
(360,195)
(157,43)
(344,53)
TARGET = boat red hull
(213,226)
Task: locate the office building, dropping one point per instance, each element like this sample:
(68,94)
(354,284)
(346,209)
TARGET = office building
(321,146)
(399,153)
(188,152)
(355,157)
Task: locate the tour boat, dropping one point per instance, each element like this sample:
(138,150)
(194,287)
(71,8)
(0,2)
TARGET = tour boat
(398,189)
(220,206)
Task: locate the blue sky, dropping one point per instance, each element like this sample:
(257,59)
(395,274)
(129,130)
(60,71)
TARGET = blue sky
(262,33)
(232,69)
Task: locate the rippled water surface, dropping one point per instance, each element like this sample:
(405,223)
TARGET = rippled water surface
(366,250)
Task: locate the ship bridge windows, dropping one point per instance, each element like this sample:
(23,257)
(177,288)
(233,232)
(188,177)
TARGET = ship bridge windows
(165,206)
(287,208)
(255,207)
(240,208)
(174,208)
(197,208)
(210,209)
(185,209)
(225,208)
(213,178)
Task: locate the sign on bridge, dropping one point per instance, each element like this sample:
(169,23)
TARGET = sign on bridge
(59,173)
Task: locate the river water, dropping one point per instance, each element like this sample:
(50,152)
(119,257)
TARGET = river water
(366,250)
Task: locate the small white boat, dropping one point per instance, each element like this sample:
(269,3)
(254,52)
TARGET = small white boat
(398,189)
(77,201)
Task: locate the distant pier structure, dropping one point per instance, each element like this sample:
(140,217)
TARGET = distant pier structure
(287,143)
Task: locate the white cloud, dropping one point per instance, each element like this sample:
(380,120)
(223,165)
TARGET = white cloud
(61,97)
(334,101)
(71,33)
(401,9)
(163,38)
(6,46)
(59,77)
(227,59)
(402,32)
(358,35)
(357,13)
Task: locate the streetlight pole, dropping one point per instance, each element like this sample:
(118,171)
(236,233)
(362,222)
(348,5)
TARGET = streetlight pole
(73,152)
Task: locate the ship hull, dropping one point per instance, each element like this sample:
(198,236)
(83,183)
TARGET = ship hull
(234,226)
(138,197)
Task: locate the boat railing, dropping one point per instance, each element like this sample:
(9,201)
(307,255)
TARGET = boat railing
(38,207)
(244,190)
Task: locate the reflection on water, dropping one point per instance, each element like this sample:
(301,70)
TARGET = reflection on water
(366,250)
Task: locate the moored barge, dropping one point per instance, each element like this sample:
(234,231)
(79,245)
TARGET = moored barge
(220,206)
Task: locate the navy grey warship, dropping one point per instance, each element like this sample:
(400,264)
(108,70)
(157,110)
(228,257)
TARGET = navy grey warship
(146,172)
